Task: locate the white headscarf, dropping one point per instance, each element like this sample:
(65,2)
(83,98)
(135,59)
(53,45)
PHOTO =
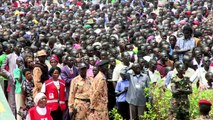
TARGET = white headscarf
(38,97)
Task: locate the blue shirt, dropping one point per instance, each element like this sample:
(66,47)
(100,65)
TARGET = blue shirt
(185,44)
(119,88)
(136,91)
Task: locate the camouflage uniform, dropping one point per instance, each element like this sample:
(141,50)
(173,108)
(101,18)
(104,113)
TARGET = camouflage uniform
(180,102)
(79,97)
(99,98)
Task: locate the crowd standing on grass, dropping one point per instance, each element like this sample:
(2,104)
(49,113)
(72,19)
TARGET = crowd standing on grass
(75,59)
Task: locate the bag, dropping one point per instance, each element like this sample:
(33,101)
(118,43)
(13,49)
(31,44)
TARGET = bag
(73,114)
(23,112)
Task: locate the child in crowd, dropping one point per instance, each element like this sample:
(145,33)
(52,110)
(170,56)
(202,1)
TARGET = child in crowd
(121,91)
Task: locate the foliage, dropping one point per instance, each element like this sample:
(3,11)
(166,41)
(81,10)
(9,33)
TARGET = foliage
(115,115)
(159,108)
(195,97)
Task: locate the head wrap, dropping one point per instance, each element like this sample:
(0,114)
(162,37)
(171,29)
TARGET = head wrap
(54,58)
(38,97)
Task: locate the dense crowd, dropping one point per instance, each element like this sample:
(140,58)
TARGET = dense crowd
(66,60)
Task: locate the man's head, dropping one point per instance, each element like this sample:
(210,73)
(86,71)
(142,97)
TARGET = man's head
(112,61)
(164,56)
(180,68)
(125,57)
(103,55)
(166,47)
(83,70)
(175,57)
(197,53)
(136,68)
(204,107)
(103,66)
(206,61)
(42,55)
(152,64)
(187,59)
(123,74)
(95,70)
(19,62)
(209,78)
(70,61)
(18,48)
(172,40)
(187,31)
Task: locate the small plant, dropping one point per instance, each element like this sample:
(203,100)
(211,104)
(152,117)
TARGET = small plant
(115,115)
(158,107)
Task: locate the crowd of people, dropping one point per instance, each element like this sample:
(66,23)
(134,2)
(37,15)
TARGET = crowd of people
(66,60)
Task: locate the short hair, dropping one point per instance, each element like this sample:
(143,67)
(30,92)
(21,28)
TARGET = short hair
(187,28)
(25,70)
(197,34)
(53,69)
(204,109)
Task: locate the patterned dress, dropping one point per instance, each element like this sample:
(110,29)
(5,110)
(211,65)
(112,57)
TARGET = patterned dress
(99,98)
(28,86)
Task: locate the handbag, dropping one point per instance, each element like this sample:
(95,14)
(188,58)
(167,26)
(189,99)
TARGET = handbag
(23,112)
(73,114)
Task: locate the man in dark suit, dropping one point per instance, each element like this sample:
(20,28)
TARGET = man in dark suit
(68,72)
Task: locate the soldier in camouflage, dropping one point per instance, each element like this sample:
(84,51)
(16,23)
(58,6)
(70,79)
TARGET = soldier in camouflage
(181,88)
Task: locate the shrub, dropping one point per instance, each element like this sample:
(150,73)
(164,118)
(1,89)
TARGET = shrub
(115,115)
(159,108)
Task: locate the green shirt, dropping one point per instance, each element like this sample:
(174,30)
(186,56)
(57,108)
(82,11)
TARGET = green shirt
(2,58)
(16,73)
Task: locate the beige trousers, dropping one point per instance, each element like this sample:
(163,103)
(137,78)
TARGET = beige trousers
(19,103)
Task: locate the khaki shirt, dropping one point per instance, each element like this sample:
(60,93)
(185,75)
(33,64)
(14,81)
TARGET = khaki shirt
(79,89)
(99,97)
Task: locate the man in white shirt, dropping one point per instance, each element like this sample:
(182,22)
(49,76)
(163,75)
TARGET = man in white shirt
(125,63)
(153,74)
(200,73)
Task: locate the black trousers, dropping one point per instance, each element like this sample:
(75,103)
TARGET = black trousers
(111,96)
(57,114)
(123,109)
(66,115)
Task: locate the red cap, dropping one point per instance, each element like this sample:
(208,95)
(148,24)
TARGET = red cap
(54,58)
(196,22)
(204,102)
(79,3)
(22,14)
(182,22)
(188,13)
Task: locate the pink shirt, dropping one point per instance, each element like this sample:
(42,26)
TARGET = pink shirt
(90,71)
